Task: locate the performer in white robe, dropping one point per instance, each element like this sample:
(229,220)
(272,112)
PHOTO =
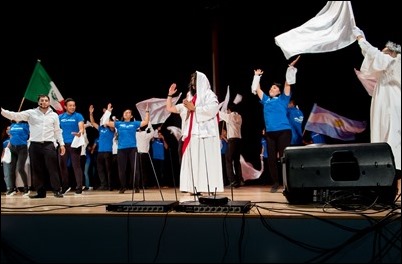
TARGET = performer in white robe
(201,167)
(385,112)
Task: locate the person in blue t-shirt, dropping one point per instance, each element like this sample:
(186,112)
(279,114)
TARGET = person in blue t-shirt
(264,178)
(72,124)
(277,126)
(104,157)
(8,179)
(296,117)
(159,146)
(126,145)
(19,135)
(224,147)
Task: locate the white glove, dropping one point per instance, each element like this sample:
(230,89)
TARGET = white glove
(357,32)
(291,75)
(254,85)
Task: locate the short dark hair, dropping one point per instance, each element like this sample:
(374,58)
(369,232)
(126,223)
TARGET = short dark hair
(68,100)
(43,95)
(232,107)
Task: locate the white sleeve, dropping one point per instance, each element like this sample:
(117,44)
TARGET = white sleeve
(105,118)
(291,75)
(254,85)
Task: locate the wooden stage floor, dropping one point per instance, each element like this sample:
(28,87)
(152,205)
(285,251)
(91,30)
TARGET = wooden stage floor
(262,202)
(271,231)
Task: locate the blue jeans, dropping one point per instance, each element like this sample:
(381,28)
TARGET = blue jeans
(10,183)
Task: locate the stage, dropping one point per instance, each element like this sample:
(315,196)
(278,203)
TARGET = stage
(172,227)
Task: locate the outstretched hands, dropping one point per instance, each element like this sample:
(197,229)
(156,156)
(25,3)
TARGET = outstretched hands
(294,61)
(258,72)
(358,33)
(109,107)
(172,89)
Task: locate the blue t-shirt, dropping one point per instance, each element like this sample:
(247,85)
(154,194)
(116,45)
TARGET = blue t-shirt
(158,150)
(5,142)
(126,132)
(19,133)
(275,112)
(317,138)
(296,117)
(105,140)
(224,146)
(265,146)
(69,124)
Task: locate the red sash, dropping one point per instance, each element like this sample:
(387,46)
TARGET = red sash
(187,139)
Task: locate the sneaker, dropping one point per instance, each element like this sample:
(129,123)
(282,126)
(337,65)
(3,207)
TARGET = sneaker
(58,195)
(64,191)
(235,184)
(78,191)
(274,188)
(122,190)
(11,192)
(26,191)
(42,195)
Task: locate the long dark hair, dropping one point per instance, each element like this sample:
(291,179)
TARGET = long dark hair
(192,86)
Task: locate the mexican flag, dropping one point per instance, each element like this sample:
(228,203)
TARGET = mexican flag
(41,83)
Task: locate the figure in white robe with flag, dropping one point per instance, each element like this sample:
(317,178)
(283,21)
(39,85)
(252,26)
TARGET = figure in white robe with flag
(385,113)
(201,169)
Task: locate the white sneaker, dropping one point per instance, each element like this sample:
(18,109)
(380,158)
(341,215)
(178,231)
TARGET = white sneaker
(27,193)
(66,191)
(11,192)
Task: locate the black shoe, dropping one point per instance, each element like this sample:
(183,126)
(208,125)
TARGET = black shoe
(235,184)
(65,190)
(37,196)
(122,190)
(58,195)
(274,188)
(137,190)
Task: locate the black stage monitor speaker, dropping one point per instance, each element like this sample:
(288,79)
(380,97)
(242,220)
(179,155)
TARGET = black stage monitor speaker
(350,173)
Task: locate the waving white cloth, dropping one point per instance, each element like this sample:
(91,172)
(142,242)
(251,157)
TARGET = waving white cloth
(248,171)
(157,109)
(331,29)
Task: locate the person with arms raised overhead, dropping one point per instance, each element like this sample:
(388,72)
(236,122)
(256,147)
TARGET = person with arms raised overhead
(277,127)
(126,145)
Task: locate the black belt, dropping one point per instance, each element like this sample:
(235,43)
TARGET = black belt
(41,142)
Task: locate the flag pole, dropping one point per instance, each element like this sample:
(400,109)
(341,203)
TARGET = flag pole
(22,101)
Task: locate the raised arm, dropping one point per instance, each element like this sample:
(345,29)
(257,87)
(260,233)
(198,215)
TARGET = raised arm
(169,105)
(255,86)
(91,117)
(290,76)
(106,117)
(146,119)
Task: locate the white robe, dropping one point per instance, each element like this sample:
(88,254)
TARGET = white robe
(385,112)
(201,166)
